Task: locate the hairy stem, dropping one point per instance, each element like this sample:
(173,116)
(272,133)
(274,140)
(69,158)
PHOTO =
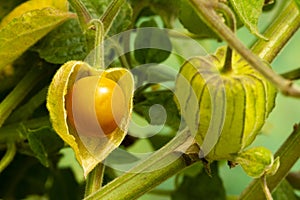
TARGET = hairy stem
(161,165)
(207,10)
(289,154)
(265,188)
(231,22)
(110,14)
(278,33)
(98,61)
(83,14)
(94,180)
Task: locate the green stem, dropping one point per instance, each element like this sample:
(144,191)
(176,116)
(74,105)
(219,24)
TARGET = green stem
(231,22)
(102,27)
(289,154)
(207,10)
(150,172)
(83,14)
(98,45)
(265,188)
(144,181)
(94,180)
(14,98)
(278,33)
(9,156)
(110,14)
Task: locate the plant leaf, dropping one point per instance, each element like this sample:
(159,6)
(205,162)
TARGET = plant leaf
(24,31)
(284,191)
(89,151)
(201,186)
(44,143)
(65,185)
(67,42)
(121,21)
(152,45)
(249,12)
(167,9)
(164,98)
(192,21)
(34,5)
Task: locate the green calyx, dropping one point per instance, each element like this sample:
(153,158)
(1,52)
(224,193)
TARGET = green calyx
(224,109)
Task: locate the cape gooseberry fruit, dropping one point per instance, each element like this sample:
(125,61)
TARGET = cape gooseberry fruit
(95,106)
(224,110)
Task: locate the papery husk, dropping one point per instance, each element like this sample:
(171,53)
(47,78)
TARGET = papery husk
(89,151)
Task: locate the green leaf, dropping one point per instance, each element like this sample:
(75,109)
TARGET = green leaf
(163,98)
(122,20)
(249,13)
(167,9)
(284,191)
(151,45)
(31,5)
(201,186)
(44,142)
(65,186)
(192,21)
(257,161)
(25,176)
(67,42)
(24,31)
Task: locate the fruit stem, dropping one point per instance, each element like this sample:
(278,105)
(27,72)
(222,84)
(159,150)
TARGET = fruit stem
(207,9)
(265,188)
(98,46)
(231,22)
(102,26)
(94,180)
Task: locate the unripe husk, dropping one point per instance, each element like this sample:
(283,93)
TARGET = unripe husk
(224,109)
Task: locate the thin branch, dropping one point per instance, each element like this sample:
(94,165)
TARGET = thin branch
(207,10)
(9,156)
